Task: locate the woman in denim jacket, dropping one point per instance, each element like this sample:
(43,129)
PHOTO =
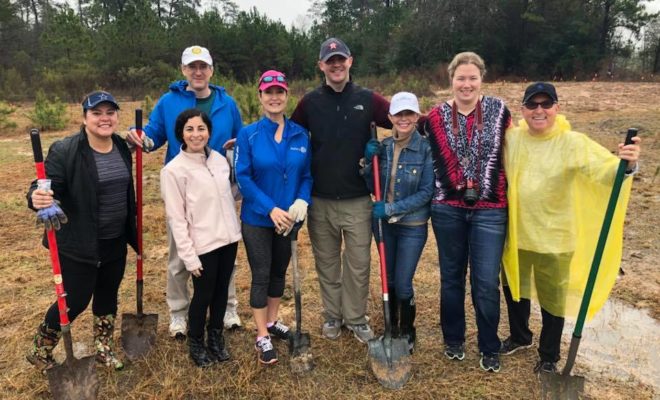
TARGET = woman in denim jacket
(407,170)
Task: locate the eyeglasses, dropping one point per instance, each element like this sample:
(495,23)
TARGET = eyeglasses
(270,78)
(532,105)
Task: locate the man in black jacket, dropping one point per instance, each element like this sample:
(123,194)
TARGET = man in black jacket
(338,115)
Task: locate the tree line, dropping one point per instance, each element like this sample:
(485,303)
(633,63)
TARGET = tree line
(134,46)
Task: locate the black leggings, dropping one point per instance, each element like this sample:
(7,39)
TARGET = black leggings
(268,254)
(210,289)
(84,280)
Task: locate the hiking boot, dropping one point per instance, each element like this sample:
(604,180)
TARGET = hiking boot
(545,366)
(104,343)
(232,320)
(509,346)
(279,330)
(407,324)
(41,353)
(178,327)
(362,332)
(267,354)
(216,345)
(198,352)
(490,363)
(331,329)
(455,351)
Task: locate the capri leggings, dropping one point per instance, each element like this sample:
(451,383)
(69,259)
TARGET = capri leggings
(268,254)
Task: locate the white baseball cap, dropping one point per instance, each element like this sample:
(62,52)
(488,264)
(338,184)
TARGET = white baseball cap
(196,53)
(404,101)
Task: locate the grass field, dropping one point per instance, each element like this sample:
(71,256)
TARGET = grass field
(604,110)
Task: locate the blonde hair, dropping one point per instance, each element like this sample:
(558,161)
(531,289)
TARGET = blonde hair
(467,57)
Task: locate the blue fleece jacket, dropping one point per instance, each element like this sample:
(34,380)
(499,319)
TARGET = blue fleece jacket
(271,174)
(225,117)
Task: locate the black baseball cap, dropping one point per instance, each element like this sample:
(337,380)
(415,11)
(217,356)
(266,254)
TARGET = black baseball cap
(540,88)
(95,98)
(332,47)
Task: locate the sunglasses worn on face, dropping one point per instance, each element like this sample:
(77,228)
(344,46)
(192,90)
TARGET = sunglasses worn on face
(532,105)
(269,79)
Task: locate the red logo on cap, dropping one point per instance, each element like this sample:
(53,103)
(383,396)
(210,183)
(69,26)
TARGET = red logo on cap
(333,46)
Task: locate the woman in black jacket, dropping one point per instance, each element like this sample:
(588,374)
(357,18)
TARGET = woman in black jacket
(92,183)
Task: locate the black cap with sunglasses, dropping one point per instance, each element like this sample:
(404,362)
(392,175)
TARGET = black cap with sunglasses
(540,88)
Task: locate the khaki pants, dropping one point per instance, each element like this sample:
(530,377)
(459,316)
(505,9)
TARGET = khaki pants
(343,272)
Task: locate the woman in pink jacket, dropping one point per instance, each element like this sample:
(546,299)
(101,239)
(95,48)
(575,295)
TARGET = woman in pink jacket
(200,210)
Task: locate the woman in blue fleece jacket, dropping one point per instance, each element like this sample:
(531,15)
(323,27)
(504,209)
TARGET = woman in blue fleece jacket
(273,171)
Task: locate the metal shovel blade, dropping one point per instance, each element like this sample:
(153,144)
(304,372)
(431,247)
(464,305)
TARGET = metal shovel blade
(138,334)
(389,360)
(75,379)
(561,387)
(301,357)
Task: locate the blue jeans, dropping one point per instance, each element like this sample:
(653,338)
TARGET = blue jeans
(403,248)
(477,235)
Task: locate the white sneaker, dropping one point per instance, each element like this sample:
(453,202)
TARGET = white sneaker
(178,326)
(232,320)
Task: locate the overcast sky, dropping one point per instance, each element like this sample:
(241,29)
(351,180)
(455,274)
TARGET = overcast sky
(288,11)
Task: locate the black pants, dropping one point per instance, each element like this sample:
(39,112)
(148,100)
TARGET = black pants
(268,254)
(84,280)
(210,289)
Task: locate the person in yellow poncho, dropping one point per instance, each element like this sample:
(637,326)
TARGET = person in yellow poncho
(559,185)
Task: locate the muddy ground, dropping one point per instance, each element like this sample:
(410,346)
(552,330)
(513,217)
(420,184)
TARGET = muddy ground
(604,110)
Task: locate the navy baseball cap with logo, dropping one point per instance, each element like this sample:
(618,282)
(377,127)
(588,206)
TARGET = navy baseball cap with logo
(540,88)
(333,47)
(95,98)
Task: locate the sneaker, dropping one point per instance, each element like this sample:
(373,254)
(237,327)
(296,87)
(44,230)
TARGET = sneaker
(232,320)
(490,362)
(266,351)
(279,330)
(455,351)
(545,366)
(362,332)
(178,326)
(331,329)
(509,346)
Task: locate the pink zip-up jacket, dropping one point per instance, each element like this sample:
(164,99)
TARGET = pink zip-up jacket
(199,204)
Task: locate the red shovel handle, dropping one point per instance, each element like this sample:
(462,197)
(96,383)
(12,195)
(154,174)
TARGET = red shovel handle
(50,234)
(381,244)
(138,193)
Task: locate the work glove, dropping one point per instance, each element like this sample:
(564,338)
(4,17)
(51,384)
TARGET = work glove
(147,142)
(372,149)
(298,210)
(379,210)
(51,217)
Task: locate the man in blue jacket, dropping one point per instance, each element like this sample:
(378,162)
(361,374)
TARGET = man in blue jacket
(195,91)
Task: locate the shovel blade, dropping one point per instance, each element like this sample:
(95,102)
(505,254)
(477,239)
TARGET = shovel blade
(75,379)
(561,387)
(389,361)
(138,334)
(301,357)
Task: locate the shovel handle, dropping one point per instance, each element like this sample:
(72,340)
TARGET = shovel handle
(138,193)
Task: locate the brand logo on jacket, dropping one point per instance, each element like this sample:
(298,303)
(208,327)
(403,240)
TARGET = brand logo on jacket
(359,107)
(301,149)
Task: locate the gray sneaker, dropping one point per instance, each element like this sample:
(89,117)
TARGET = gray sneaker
(362,332)
(331,329)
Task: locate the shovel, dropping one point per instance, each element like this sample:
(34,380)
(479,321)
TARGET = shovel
(565,386)
(389,357)
(74,378)
(301,357)
(138,331)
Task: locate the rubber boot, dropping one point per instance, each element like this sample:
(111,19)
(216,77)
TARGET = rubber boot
(408,311)
(198,352)
(216,345)
(104,343)
(41,353)
(394,312)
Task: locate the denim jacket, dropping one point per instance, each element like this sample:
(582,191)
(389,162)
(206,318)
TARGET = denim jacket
(413,188)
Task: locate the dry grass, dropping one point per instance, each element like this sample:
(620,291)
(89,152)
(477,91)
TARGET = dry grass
(602,109)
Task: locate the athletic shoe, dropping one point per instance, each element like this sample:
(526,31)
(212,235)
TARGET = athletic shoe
(232,320)
(490,362)
(331,329)
(509,346)
(455,351)
(362,332)
(545,366)
(178,326)
(267,354)
(279,330)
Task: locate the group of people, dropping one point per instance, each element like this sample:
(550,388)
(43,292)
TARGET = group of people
(496,194)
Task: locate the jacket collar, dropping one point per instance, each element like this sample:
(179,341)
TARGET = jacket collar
(415,143)
(197,158)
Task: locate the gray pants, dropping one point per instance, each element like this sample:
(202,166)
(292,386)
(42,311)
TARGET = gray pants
(177,293)
(343,272)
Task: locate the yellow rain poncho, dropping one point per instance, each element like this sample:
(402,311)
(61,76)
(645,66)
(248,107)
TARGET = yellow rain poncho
(559,187)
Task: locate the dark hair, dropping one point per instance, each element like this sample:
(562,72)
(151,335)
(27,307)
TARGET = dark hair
(184,117)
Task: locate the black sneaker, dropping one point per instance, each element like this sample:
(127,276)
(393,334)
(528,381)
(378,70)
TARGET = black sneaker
(279,330)
(266,351)
(545,366)
(509,346)
(490,362)
(455,351)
